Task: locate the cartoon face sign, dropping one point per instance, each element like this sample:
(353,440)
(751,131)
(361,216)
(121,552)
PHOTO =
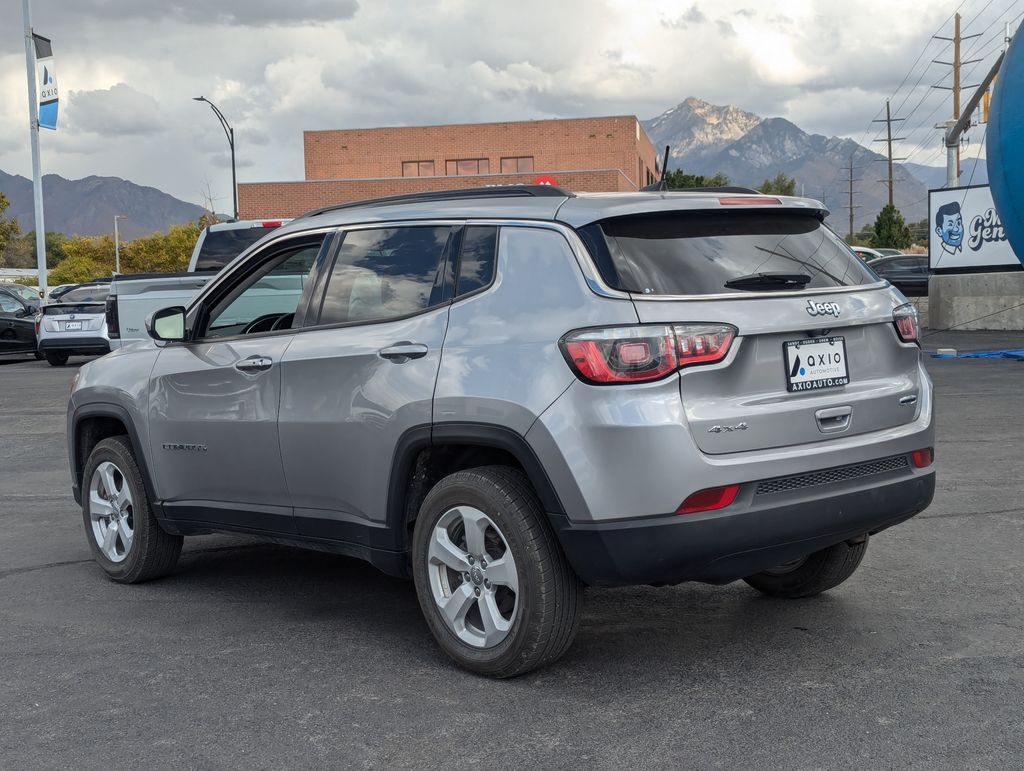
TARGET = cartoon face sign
(949,225)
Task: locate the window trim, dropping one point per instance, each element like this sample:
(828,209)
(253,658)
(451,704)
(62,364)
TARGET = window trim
(418,164)
(457,161)
(517,158)
(454,241)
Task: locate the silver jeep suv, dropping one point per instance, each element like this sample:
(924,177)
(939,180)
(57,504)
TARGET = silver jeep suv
(509,394)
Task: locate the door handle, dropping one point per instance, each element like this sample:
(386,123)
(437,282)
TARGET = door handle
(254,364)
(403,351)
(833,419)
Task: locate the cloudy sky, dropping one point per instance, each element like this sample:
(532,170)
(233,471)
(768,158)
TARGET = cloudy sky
(128,69)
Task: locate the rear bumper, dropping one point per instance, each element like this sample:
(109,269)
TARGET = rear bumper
(76,346)
(755,533)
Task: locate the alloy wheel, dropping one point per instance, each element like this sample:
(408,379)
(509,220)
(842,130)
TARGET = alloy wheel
(473,577)
(111,511)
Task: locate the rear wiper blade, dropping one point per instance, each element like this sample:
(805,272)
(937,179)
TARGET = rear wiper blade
(769,281)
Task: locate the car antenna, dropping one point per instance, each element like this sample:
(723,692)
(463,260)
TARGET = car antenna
(661,184)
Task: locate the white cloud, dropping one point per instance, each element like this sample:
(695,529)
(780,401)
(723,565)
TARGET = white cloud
(129,68)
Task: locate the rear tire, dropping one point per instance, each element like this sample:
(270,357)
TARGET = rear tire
(508,617)
(57,359)
(125,538)
(814,574)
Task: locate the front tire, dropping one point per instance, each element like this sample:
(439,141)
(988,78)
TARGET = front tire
(57,359)
(495,588)
(125,538)
(814,574)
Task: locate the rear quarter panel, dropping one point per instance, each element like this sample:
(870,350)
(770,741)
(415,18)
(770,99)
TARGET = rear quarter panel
(501,362)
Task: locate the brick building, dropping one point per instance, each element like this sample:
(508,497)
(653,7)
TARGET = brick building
(580,154)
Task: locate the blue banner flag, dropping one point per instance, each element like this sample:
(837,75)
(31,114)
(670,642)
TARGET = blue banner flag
(46,80)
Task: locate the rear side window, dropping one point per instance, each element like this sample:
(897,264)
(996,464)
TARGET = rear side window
(476,260)
(222,246)
(384,273)
(90,293)
(697,253)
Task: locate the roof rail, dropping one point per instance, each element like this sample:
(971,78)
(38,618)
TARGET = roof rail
(494,191)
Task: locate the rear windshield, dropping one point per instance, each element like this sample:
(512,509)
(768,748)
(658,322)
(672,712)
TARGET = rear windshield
(696,253)
(89,293)
(222,246)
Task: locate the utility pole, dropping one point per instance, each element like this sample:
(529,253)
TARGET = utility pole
(889,139)
(851,207)
(33,125)
(117,244)
(953,150)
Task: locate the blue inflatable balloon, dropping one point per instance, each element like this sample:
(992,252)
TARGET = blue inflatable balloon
(1006,145)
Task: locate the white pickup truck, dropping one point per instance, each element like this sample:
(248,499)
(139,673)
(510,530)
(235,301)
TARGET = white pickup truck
(136,295)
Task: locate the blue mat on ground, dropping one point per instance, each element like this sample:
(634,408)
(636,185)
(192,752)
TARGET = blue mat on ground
(1016,353)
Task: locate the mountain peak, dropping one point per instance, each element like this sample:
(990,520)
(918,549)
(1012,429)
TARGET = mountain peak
(695,125)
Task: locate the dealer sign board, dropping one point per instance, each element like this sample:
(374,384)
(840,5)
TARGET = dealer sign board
(965,231)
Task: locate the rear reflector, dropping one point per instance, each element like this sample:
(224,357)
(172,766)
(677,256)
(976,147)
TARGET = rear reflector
(709,500)
(923,458)
(751,201)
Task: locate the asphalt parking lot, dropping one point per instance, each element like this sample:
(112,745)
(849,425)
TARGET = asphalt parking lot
(266,656)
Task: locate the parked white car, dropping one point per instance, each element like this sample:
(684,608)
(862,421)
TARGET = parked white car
(75,326)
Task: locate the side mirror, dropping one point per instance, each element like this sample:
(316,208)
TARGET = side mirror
(167,324)
(22,312)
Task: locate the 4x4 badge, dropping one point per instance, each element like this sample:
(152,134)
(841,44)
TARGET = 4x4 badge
(822,309)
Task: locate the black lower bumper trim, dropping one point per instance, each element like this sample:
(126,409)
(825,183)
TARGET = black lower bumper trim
(720,547)
(84,346)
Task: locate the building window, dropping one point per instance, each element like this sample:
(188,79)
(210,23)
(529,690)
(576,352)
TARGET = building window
(417,168)
(467,166)
(521,165)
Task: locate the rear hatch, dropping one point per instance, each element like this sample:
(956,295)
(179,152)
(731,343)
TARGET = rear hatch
(73,317)
(816,354)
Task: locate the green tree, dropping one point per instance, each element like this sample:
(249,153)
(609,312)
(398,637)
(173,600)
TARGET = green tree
(89,258)
(781,185)
(891,232)
(919,231)
(680,180)
(9,229)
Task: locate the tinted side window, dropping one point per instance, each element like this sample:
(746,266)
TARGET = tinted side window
(476,261)
(9,304)
(383,273)
(222,246)
(90,293)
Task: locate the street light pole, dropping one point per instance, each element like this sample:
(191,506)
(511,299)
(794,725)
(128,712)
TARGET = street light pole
(230,133)
(117,244)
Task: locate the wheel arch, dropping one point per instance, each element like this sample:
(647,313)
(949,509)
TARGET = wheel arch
(423,452)
(91,424)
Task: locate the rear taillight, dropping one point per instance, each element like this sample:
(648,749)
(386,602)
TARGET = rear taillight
(923,458)
(642,353)
(709,500)
(113,330)
(905,319)
(39,321)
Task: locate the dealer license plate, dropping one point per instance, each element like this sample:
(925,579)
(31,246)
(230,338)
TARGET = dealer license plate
(70,326)
(816,363)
